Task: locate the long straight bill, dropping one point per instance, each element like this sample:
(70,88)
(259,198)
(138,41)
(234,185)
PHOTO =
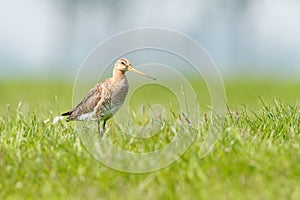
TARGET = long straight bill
(130,68)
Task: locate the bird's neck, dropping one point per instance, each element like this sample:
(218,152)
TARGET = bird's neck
(117,75)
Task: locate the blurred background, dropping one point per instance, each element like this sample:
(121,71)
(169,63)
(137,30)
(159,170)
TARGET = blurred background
(255,44)
(259,38)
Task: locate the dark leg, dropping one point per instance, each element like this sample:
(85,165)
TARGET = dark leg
(103,125)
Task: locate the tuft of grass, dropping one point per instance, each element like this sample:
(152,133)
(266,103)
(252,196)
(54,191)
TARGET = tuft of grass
(257,156)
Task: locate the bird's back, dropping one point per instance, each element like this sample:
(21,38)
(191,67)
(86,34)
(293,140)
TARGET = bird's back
(102,101)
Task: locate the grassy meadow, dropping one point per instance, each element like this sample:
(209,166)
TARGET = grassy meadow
(256,157)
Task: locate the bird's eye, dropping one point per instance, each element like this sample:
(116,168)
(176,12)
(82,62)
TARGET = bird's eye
(122,63)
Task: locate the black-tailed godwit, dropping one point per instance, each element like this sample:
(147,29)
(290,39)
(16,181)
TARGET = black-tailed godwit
(105,99)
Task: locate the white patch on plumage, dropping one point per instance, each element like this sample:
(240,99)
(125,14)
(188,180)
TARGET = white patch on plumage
(57,119)
(86,116)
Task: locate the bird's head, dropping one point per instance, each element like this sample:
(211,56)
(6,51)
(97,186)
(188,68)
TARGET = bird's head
(124,65)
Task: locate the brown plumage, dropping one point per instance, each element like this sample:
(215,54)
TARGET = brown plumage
(105,98)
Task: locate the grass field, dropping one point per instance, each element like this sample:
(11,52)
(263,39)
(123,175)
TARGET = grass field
(256,157)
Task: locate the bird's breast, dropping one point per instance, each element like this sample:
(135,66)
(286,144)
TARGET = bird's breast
(119,92)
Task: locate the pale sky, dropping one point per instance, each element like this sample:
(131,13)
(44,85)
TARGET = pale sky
(39,36)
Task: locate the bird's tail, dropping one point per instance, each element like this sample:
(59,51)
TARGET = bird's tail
(67,114)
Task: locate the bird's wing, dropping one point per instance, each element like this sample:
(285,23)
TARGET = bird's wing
(88,103)
(104,102)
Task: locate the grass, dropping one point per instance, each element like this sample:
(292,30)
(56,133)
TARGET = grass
(257,155)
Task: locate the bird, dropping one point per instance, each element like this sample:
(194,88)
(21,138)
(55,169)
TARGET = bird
(105,98)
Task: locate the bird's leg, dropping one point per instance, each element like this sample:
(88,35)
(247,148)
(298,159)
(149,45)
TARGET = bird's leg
(99,130)
(103,125)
